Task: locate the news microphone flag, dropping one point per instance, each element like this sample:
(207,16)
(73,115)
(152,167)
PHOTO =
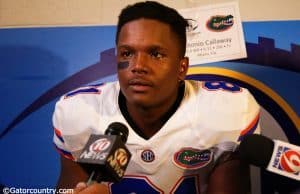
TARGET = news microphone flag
(285,160)
(106,155)
(274,155)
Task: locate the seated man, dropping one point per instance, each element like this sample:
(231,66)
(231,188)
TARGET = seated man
(183,134)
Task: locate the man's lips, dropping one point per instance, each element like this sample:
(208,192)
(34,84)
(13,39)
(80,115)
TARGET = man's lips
(140,84)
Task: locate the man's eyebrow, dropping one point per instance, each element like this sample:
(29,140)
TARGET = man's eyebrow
(148,48)
(156,47)
(124,46)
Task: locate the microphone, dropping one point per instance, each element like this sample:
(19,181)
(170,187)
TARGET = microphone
(106,156)
(274,155)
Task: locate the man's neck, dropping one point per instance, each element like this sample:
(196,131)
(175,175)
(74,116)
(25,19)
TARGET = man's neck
(146,121)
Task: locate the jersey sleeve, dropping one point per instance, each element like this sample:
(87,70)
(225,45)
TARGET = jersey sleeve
(58,139)
(73,120)
(226,113)
(80,113)
(252,117)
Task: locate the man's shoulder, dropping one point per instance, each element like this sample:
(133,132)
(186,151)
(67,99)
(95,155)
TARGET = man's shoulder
(91,93)
(220,93)
(223,107)
(85,108)
(216,88)
(92,90)
(87,100)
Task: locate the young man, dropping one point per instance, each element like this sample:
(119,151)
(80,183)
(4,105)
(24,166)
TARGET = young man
(182,134)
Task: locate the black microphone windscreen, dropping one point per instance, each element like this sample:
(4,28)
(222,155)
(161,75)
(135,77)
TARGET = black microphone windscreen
(257,150)
(117,128)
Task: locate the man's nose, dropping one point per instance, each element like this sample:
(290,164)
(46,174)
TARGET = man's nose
(140,64)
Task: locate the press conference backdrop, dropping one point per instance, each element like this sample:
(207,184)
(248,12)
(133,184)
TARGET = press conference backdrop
(37,65)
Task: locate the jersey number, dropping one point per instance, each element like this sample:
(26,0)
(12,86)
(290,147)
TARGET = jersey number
(93,89)
(221,85)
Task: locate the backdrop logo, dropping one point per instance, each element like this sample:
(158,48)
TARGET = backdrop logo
(220,23)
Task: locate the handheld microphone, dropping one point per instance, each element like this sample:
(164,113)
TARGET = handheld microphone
(106,155)
(274,155)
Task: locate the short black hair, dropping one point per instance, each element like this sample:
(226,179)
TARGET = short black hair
(156,11)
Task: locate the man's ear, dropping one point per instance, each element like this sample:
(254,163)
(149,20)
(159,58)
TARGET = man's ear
(183,68)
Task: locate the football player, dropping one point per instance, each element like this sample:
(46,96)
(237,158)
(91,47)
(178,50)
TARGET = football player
(183,134)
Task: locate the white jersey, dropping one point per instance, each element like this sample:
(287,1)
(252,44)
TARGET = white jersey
(212,118)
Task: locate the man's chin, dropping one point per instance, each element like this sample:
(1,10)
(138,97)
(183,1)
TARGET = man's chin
(141,102)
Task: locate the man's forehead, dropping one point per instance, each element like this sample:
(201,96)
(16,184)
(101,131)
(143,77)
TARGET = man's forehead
(145,47)
(146,31)
(149,25)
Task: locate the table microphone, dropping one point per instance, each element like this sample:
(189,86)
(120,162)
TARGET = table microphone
(106,156)
(274,155)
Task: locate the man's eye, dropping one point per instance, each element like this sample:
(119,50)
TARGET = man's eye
(156,54)
(126,54)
